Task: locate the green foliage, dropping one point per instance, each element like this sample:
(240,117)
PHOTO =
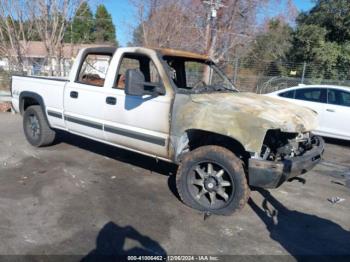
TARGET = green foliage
(326,57)
(104,29)
(322,38)
(272,45)
(334,16)
(344,62)
(81,30)
(306,39)
(87,28)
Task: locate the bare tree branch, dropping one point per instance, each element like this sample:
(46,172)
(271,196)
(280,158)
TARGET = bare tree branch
(187,24)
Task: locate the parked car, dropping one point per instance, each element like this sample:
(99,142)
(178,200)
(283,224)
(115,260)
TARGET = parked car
(332,104)
(179,107)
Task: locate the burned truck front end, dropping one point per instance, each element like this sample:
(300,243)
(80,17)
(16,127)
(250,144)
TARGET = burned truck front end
(276,136)
(283,157)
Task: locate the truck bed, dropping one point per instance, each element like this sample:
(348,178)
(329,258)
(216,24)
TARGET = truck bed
(51,89)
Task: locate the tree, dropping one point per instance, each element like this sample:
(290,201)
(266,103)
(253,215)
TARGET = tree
(310,45)
(270,47)
(322,38)
(22,21)
(334,16)
(16,29)
(51,18)
(307,38)
(81,29)
(137,37)
(104,28)
(274,43)
(188,24)
(344,62)
(327,58)
(164,24)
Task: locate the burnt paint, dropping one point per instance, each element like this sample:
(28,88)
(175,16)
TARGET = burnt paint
(246,117)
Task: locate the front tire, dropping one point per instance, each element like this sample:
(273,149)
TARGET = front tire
(212,179)
(36,128)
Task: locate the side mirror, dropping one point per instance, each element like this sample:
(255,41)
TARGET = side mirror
(135,84)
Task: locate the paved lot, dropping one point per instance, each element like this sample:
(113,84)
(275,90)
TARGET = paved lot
(82,197)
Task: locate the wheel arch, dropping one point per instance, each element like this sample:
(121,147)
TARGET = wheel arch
(27,99)
(197,137)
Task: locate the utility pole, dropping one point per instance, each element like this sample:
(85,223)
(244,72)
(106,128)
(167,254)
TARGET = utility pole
(214,6)
(210,34)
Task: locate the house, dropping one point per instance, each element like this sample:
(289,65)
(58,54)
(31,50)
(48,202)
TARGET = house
(36,60)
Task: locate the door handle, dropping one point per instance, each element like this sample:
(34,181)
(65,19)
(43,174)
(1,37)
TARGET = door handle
(330,110)
(74,94)
(111,100)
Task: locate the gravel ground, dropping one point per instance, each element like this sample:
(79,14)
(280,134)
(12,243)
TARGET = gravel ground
(80,197)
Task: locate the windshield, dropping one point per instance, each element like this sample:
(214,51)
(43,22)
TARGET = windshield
(197,76)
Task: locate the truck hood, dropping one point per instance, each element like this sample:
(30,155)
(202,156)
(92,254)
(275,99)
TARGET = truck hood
(245,117)
(277,114)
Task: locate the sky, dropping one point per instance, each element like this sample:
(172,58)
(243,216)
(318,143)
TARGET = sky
(303,5)
(124,15)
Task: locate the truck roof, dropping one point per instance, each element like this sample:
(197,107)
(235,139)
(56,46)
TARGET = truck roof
(162,51)
(181,53)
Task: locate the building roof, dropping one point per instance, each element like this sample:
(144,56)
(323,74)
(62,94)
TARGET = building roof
(36,49)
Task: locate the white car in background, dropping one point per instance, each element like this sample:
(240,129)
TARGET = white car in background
(332,103)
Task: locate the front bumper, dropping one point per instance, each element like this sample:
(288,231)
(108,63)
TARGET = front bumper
(269,174)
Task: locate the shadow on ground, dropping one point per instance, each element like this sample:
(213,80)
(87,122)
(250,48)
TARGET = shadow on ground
(111,240)
(119,154)
(142,161)
(300,233)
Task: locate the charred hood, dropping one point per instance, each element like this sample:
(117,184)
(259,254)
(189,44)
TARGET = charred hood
(244,116)
(277,114)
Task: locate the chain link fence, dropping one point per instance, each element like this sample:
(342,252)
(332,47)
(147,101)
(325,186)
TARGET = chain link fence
(266,76)
(247,75)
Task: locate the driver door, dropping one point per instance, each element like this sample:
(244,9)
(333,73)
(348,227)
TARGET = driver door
(140,123)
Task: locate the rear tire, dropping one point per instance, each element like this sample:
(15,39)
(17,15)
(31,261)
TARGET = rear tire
(36,128)
(212,179)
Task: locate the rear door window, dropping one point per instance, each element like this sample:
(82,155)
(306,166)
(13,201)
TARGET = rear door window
(94,69)
(338,97)
(318,95)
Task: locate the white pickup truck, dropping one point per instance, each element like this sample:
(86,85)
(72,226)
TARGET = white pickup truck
(179,107)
